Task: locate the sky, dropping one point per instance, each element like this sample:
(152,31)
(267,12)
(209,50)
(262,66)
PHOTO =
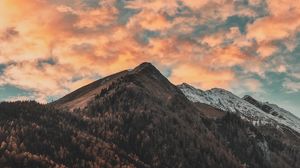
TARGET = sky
(49,48)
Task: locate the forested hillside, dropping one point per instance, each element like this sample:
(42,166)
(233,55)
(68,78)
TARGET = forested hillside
(138,119)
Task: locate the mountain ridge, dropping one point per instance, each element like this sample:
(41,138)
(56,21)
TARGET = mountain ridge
(80,97)
(138,119)
(257,112)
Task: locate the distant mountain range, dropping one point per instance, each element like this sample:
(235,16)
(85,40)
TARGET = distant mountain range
(248,108)
(137,118)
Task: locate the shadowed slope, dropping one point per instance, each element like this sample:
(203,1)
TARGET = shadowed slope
(145,115)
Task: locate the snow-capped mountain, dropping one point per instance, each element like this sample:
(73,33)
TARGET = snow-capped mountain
(249,109)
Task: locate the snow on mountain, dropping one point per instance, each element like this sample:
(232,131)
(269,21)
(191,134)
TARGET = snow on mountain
(281,115)
(248,108)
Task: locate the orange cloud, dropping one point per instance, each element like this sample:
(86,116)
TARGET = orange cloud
(218,9)
(201,77)
(46,81)
(283,7)
(273,28)
(282,24)
(218,38)
(88,42)
(266,50)
(252,85)
(157,6)
(254,2)
(37,24)
(195,4)
(281,68)
(102,16)
(213,40)
(225,57)
(150,20)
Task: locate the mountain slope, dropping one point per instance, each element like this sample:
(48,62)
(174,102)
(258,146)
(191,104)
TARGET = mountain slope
(145,115)
(135,118)
(279,128)
(80,97)
(36,136)
(248,108)
(280,115)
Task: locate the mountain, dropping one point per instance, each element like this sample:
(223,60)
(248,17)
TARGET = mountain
(149,117)
(250,109)
(281,115)
(136,118)
(85,94)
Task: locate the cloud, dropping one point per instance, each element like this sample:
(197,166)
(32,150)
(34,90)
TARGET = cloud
(255,2)
(249,85)
(226,57)
(195,4)
(27,75)
(156,6)
(150,20)
(281,68)
(218,38)
(218,9)
(293,86)
(273,28)
(204,78)
(8,34)
(282,7)
(102,16)
(190,38)
(22,98)
(253,85)
(296,75)
(266,50)
(282,23)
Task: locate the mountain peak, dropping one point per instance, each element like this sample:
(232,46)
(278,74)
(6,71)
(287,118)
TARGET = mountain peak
(255,103)
(145,75)
(221,91)
(248,97)
(249,107)
(144,66)
(185,85)
(149,70)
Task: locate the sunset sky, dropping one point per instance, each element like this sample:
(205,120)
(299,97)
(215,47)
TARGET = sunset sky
(51,47)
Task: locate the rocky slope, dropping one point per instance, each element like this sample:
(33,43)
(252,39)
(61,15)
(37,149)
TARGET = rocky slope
(250,109)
